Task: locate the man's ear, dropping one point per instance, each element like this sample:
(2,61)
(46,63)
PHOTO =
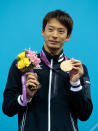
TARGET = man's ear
(42,33)
(67,38)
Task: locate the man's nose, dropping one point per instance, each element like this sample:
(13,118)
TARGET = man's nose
(55,34)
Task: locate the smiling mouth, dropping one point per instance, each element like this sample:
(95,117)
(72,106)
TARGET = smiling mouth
(53,42)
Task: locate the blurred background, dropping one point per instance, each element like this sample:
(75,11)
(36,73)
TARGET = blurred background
(20,28)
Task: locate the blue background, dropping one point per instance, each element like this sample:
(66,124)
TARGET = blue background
(20,28)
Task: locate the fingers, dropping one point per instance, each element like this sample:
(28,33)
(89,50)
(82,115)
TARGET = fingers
(31,83)
(78,69)
(30,93)
(31,79)
(31,75)
(76,63)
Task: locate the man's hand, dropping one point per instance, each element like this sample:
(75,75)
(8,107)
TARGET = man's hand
(77,70)
(31,80)
(74,67)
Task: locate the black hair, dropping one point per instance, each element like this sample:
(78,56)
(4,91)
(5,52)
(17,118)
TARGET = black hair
(63,17)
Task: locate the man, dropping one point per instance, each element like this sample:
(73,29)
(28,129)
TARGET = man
(65,93)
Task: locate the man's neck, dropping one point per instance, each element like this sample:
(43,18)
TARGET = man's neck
(52,51)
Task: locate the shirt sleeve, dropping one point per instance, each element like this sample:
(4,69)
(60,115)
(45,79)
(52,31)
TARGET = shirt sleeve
(76,86)
(20,100)
(12,91)
(80,101)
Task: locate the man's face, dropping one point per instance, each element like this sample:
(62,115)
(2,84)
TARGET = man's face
(55,34)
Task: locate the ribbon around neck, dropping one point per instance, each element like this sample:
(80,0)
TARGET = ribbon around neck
(46,61)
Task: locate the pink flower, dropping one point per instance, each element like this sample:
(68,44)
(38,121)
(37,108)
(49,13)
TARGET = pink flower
(33,58)
(31,52)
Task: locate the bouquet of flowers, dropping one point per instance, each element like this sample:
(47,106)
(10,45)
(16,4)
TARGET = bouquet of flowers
(27,61)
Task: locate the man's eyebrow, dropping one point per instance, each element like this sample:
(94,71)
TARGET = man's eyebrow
(51,26)
(54,27)
(61,28)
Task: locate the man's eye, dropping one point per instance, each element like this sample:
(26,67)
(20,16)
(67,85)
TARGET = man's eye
(61,31)
(50,29)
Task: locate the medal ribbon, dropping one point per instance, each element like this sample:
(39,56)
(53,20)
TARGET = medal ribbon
(46,61)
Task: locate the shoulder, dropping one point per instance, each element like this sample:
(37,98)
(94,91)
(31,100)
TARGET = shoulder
(85,68)
(85,76)
(13,68)
(13,65)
